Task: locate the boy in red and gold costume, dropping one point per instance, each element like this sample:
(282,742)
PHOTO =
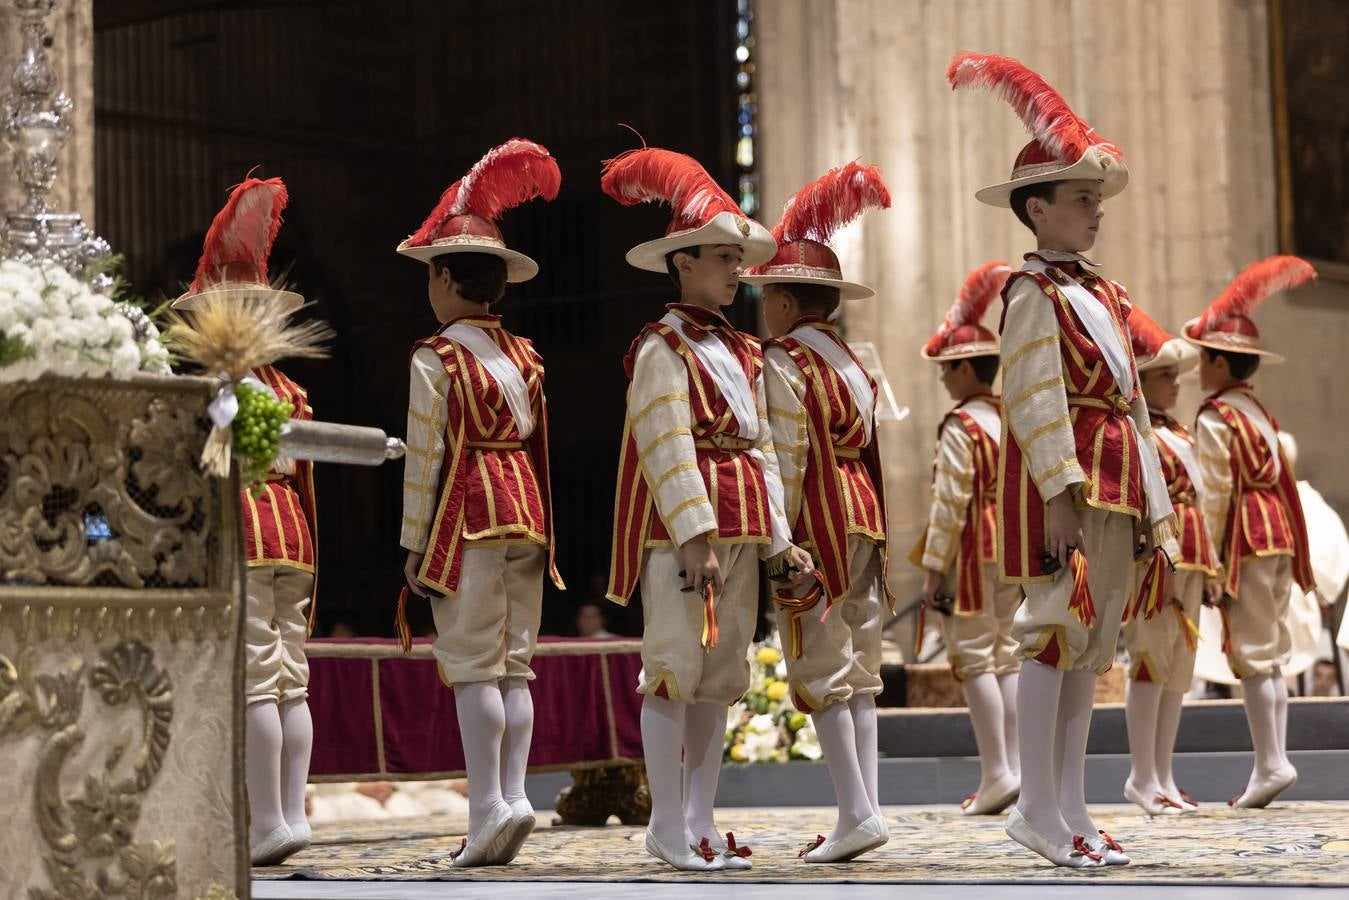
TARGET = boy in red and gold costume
(958,549)
(1160,630)
(1250,502)
(822,407)
(280,534)
(477,514)
(699,501)
(1080,492)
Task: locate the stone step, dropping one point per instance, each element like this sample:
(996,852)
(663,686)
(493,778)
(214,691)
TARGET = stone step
(1210,778)
(1206,726)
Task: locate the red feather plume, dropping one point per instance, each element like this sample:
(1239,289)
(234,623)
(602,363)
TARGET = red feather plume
(510,174)
(1147,336)
(242,233)
(976,295)
(1256,282)
(650,174)
(836,198)
(1045,113)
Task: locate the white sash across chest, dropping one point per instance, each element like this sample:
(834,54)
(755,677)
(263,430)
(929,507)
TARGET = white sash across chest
(987,417)
(841,361)
(1109,339)
(1185,450)
(504,372)
(1100,326)
(1244,404)
(727,372)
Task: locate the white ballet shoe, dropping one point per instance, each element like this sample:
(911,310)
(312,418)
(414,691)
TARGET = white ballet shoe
(301,837)
(1157,805)
(692,858)
(864,838)
(523,821)
(488,843)
(735,856)
(1266,790)
(272,849)
(1076,856)
(1109,849)
(993,799)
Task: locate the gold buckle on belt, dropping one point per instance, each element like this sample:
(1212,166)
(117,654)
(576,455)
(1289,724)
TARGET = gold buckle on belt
(723,442)
(1118,407)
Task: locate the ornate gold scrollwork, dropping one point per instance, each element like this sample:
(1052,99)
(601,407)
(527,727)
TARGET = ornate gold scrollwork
(90,839)
(99,486)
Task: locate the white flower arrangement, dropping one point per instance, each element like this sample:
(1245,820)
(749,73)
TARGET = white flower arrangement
(765,726)
(51,322)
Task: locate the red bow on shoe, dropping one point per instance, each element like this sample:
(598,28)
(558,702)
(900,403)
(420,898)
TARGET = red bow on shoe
(463,845)
(704,849)
(1167,802)
(733,850)
(965,804)
(1080,845)
(1111,842)
(819,839)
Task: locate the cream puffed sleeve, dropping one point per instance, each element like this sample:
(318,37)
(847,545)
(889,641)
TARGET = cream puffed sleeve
(1213,447)
(427,413)
(952,490)
(765,450)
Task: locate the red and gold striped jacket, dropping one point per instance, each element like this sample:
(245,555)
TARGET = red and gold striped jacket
(978,537)
(734,480)
(494,486)
(1264,517)
(280,526)
(843,491)
(1102,430)
(1196,547)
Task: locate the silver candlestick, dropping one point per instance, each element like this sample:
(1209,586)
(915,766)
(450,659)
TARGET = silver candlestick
(37,124)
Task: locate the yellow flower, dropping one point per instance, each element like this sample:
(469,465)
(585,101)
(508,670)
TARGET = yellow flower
(769,656)
(777,690)
(738,753)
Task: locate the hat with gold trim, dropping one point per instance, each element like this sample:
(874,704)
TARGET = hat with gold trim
(809,220)
(464,221)
(704,214)
(1063,146)
(1226,324)
(238,244)
(960,335)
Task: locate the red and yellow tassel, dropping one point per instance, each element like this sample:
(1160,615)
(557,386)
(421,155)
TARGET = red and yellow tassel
(400,622)
(1150,590)
(1187,627)
(1080,599)
(795,608)
(1227,629)
(710,631)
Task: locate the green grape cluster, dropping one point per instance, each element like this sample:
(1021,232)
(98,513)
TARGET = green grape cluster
(257,431)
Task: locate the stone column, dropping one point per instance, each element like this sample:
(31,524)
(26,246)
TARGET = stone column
(1184,88)
(72,56)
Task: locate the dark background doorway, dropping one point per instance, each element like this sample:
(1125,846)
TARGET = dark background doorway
(369,111)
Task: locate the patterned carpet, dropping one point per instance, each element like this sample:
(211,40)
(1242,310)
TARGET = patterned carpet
(1290,844)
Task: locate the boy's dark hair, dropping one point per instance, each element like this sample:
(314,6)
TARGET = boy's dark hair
(814,299)
(1239,365)
(1044,190)
(480,277)
(985,367)
(693,251)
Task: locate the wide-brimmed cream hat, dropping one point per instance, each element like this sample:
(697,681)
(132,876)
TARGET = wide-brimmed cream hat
(960,335)
(704,214)
(1063,147)
(1035,165)
(809,220)
(1226,323)
(464,221)
(237,247)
